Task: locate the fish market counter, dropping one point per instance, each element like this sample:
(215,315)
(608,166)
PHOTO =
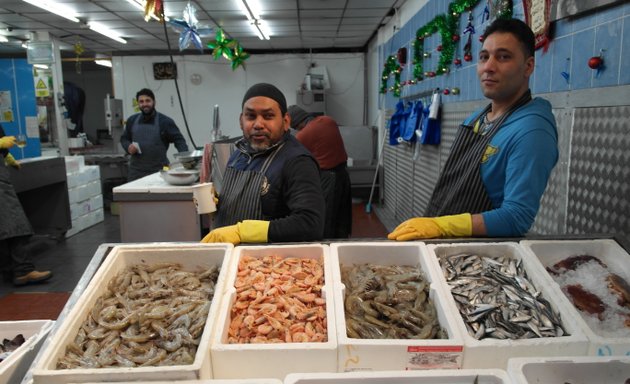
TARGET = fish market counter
(153,210)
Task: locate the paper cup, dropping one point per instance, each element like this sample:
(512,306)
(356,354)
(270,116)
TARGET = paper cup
(203,197)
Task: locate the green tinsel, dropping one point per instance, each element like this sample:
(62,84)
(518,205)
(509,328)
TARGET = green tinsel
(392,67)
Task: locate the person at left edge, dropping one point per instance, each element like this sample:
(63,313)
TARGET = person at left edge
(271,190)
(146,138)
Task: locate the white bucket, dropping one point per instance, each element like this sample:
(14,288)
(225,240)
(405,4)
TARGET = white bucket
(203,197)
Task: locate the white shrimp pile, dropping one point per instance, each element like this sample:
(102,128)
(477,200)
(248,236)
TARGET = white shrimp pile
(149,316)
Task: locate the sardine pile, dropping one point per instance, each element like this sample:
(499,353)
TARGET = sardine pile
(278,300)
(496,300)
(9,346)
(388,302)
(149,315)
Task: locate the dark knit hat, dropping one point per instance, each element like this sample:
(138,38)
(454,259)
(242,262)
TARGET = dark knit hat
(266,90)
(145,92)
(298,115)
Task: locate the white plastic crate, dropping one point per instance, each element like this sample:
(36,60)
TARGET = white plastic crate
(493,353)
(614,256)
(393,354)
(573,370)
(434,376)
(245,361)
(192,257)
(14,367)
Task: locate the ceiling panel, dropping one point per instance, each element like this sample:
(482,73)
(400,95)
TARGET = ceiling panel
(295,25)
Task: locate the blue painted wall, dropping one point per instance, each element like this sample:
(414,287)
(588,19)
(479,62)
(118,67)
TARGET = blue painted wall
(574,42)
(16,76)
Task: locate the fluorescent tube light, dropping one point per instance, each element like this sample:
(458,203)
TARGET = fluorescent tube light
(103,30)
(55,8)
(104,63)
(251,9)
(260,29)
(40,66)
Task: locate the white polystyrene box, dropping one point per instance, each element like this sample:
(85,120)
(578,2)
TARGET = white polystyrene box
(192,256)
(210,381)
(492,353)
(15,366)
(570,369)
(433,376)
(608,251)
(393,354)
(275,360)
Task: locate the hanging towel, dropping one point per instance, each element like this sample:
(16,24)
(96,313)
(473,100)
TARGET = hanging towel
(430,128)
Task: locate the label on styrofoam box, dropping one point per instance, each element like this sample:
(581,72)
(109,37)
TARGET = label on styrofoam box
(191,257)
(433,376)
(494,353)
(570,369)
(393,354)
(616,259)
(84,207)
(275,360)
(74,163)
(14,366)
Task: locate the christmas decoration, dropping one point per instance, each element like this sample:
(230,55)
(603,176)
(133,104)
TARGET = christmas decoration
(446,91)
(239,57)
(537,15)
(470,30)
(221,46)
(391,68)
(189,31)
(154,8)
(78,50)
(455,91)
(597,62)
(402,56)
(457,61)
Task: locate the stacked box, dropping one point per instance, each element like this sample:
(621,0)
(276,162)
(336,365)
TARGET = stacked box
(608,251)
(84,194)
(15,366)
(442,376)
(275,360)
(393,354)
(211,381)
(494,353)
(574,370)
(191,257)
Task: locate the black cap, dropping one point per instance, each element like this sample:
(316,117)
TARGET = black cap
(266,90)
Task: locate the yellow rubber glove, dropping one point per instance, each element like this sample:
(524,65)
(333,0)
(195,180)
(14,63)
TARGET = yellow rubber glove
(229,234)
(10,161)
(7,142)
(431,227)
(253,231)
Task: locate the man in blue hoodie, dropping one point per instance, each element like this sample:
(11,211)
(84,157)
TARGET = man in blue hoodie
(502,156)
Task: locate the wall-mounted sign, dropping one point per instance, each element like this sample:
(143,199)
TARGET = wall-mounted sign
(164,71)
(40,52)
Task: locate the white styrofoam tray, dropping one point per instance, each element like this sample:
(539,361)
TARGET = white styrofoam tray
(14,367)
(393,354)
(493,353)
(242,361)
(570,369)
(608,251)
(433,376)
(191,256)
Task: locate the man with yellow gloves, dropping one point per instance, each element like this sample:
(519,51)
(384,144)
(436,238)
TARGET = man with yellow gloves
(271,190)
(15,229)
(502,156)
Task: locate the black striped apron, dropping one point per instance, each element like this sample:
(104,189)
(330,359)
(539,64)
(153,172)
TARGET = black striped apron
(460,188)
(241,193)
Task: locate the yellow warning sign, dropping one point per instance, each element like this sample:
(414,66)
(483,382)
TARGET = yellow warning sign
(41,90)
(41,84)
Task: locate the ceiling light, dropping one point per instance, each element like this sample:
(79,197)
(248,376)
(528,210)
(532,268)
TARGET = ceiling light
(260,29)
(251,9)
(57,9)
(40,66)
(103,30)
(3,39)
(24,46)
(104,63)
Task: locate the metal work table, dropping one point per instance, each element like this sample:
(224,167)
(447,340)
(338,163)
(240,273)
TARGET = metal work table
(153,210)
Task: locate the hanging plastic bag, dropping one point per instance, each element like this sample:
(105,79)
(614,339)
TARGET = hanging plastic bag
(415,117)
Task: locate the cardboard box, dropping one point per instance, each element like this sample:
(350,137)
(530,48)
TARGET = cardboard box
(393,354)
(192,257)
(15,366)
(442,376)
(275,360)
(549,252)
(494,353)
(574,370)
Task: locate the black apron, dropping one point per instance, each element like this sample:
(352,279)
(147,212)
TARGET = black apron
(241,193)
(153,156)
(460,186)
(13,221)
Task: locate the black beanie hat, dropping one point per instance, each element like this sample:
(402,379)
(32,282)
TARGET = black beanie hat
(298,115)
(145,92)
(266,90)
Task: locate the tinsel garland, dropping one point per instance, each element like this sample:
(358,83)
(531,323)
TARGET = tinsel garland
(446,25)
(391,67)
